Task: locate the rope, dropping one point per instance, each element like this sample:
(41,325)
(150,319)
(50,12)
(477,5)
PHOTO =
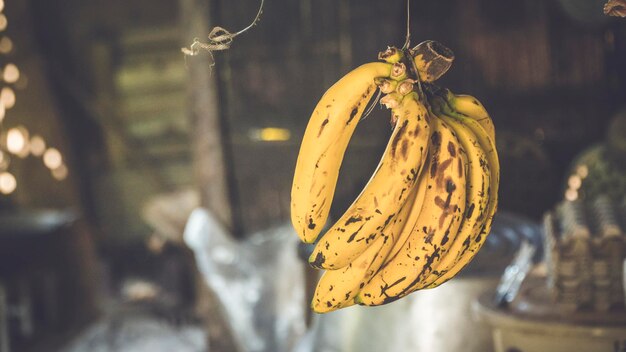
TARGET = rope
(219,39)
(407,41)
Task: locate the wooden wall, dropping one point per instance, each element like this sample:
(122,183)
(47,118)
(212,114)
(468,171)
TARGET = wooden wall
(551,75)
(551,82)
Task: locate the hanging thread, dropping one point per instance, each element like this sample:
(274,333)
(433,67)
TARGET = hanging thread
(219,39)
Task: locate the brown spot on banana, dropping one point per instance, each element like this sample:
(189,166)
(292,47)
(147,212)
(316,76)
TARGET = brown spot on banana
(353,113)
(389,219)
(451,149)
(320,191)
(441,172)
(466,244)
(416,131)
(450,186)
(353,219)
(435,140)
(383,289)
(319,261)
(353,235)
(324,123)
(434,164)
(400,196)
(429,234)
(446,237)
(470,210)
(321,207)
(427,267)
(398,137)
(446,207)
(404,149)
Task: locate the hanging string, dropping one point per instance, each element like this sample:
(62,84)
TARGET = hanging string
(219,39)
(407,42)
(372,105)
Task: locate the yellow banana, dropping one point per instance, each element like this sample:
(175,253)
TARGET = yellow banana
(324,143)
(477,178)
(438,221)
(470,107)
(411,209)
(385,193)
(479,235)
(430,203)
(337,288)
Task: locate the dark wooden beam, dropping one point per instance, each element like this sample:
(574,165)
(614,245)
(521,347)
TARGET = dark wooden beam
(209,162)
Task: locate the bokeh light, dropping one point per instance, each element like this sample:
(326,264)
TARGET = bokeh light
(7,97)
(37,145)
(270,134)
(3,22)
(52,158)
(574,182)
(60,173)
(7,183)
(6,45)
(17,141)
(571,194)
(11,73)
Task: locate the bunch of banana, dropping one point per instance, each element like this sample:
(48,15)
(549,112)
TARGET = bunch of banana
(429,205)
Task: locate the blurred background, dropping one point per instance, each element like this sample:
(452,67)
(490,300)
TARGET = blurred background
(110,137)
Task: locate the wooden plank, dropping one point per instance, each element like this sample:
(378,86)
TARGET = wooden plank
(209,163)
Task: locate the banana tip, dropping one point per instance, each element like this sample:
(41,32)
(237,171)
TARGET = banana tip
(317,260)
(320,309)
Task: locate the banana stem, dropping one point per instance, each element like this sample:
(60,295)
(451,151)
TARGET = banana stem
(414,75)
(405,87)
(386,85)
(391,101)
(392,55)
(399,71)
(432,59)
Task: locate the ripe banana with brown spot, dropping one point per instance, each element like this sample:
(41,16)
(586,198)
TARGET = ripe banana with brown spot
(337,288)
(329,296)
(412,206)
(487,145)
(385,193)
(477,182)
(324,143)
(437,223)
